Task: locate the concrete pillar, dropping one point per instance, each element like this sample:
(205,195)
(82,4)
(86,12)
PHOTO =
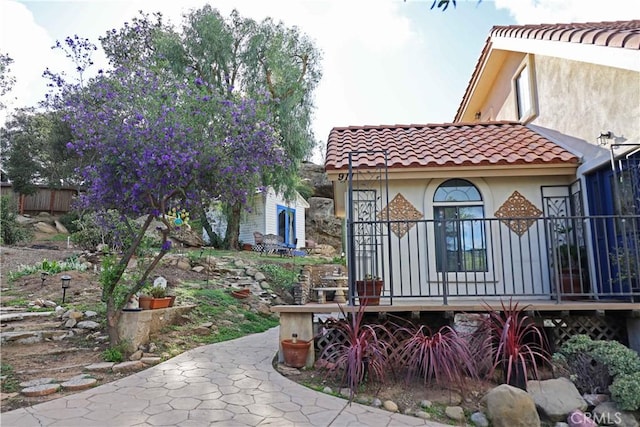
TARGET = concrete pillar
(301,324)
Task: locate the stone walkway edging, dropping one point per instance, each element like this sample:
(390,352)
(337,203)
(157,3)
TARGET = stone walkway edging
(232,383)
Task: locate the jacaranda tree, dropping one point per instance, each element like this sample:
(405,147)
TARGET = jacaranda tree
(154,142)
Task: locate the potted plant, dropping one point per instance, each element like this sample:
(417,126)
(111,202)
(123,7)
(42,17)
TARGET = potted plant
(369,290)
(159,298)
(295,351)
(573,269)
(626,263)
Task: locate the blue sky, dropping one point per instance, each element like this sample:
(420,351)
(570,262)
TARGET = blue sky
(384,61)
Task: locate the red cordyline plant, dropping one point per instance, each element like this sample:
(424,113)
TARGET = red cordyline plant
(519,345)
(364,353)
(443,356)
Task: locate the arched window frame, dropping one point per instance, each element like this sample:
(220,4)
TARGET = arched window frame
(458,211)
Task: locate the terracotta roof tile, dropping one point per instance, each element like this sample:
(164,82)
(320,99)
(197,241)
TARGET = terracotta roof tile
(624,34)
(442,145)
(613,34)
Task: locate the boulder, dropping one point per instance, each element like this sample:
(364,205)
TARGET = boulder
(60,227)
(43,227)
(556,398)
(577,418)
(509,406)
(607,413)
(317,178)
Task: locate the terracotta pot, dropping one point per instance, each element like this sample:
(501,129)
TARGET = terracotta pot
(240,294)
(369,291)
(144,302)
(247,247)
(173,300)
(160,302)
(295,354)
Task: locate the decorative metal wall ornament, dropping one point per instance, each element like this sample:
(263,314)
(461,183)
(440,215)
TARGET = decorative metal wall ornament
(519,213)
(400,209)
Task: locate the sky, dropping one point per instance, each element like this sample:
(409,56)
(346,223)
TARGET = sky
(383,61)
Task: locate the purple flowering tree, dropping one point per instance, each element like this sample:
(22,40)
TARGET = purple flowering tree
(149,141)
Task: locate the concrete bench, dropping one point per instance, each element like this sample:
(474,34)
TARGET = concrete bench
(340,296)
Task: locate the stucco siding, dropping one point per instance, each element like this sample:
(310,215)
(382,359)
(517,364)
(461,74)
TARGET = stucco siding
(581,99)
(414,252)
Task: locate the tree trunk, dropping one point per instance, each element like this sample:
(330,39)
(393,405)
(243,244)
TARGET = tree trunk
(113,317)
(233,225)
(207,227)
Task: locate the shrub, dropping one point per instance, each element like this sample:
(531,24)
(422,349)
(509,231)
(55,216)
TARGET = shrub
(69,220)
(12,231)
(158,292)
(113,354)
(625,391)
(443,356)
(107,228)
(518,343)
(361,356)
(618,358)
(282,279)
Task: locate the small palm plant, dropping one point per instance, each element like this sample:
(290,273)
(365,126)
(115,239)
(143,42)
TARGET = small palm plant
(519,345)
(443,356)
(363,354)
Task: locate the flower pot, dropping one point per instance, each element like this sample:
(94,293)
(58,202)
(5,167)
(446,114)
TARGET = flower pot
(160,302)
(144,302)
(173,300)
(295,354)
(240,294)
(369,291)
(247,247)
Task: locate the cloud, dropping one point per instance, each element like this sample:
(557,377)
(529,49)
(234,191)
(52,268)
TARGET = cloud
(566,11)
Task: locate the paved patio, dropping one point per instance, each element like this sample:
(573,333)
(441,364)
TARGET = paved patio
(232,383)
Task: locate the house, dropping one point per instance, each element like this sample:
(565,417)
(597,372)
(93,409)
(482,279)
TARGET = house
(270,213)
(533,191)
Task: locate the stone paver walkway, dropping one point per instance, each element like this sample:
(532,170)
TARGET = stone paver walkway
(232,383)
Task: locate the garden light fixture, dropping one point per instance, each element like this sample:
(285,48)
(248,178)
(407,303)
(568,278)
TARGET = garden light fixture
(65,284)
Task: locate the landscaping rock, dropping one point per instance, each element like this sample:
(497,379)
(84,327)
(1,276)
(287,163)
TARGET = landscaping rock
(153,360)
(455,413)
(88,324)
(79,383)
(509,406)
(136,355)
(100,366)
(577,418)
(390,406)
(423,415)
(36,382)
(595,399)
(556,398)
(90,313)
(376,403)
(426,404)
(327,390)
(608,413)
(133,365)
(40,390)
(479,419)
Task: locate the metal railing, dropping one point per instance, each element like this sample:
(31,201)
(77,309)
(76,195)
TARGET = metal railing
(558,258)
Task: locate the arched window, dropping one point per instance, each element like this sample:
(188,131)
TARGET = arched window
(458,209)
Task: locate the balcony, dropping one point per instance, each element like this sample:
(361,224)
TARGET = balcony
(579,258)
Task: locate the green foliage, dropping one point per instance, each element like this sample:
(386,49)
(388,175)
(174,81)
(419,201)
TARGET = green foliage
(51,267)
(618,358)
(69,220)
(107,228)
(625,391)
(113,354)
(110,273)
(9,381)
(158,292)
(280,277)
(11,231)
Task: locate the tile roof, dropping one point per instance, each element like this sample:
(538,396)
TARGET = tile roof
(622,34)
(443,145)
(613,34)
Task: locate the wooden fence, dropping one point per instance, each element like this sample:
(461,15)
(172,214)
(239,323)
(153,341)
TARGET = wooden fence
(52,200)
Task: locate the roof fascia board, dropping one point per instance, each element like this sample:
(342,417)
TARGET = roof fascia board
(627,59)
(473,171)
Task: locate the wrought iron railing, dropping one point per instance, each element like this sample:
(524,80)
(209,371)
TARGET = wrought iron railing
(557,258)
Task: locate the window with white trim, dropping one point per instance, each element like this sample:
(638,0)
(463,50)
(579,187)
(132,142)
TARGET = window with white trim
(461,243)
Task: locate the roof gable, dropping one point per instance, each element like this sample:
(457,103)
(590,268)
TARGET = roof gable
(443,145)
(586,41)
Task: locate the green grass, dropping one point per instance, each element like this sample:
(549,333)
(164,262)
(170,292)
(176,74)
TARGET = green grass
(51,267)
(10,383)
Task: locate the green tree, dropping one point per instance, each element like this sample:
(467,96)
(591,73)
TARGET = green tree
(7,80)
(34,150)
(236,57)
